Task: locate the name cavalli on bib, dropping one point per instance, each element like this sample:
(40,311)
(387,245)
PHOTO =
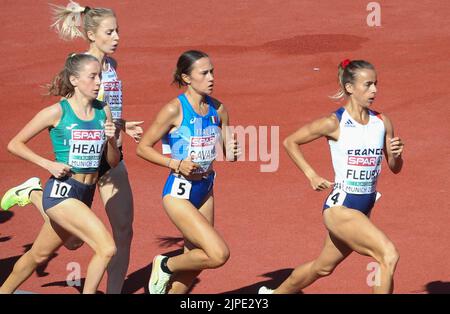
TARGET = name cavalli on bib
(202,150)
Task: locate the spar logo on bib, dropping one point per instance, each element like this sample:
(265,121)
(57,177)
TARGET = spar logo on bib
(203,141)
(87,135)
(362,161)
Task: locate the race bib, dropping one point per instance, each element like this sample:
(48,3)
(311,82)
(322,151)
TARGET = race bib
(86,148)
(336,198)
(112,95)
(60,189)
(202,150)
(181,188)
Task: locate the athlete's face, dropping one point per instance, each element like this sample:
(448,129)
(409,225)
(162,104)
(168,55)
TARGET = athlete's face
(201,78)
(88,80)
(364,89)
(106,37)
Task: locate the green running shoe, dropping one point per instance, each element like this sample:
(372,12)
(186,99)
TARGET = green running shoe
(20,195)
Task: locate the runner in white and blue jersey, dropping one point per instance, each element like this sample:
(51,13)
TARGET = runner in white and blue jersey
(358,137)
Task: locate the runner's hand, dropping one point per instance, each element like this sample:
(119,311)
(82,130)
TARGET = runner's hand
(187,166)
(110,130)
(233,148)
(396,146)
(58,170)
(320,184)
(133,129)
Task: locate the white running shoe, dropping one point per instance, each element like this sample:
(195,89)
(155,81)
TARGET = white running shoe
(159,278)
(265,290)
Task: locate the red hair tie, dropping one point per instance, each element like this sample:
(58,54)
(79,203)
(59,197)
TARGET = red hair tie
(345,63)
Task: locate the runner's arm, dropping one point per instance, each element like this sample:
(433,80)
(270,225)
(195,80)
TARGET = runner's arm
(46,118)
(164,121)
(393,147)
(328,127)
(112,152)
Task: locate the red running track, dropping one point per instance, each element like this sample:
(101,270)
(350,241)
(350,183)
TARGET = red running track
(264,53)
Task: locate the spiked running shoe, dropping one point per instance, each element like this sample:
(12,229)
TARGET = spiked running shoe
(20,195)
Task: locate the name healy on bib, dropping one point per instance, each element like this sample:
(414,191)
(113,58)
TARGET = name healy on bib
(86,148)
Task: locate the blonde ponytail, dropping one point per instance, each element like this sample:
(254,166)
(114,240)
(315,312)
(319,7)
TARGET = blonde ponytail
(74,21)
(67,20)
(341,93)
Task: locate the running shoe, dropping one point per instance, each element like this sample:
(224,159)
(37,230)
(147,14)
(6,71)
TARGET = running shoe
(159,278)
(265,290)
(20,195)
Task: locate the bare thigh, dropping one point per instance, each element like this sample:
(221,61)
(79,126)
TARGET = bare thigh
(197,230)
(207,210)
(356,230)
(71,242)
(78,219)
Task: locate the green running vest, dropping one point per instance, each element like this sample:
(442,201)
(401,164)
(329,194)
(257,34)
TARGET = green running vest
(79,143)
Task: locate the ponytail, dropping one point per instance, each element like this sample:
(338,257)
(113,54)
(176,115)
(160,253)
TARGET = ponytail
(61,85)
(185,64)
(69,19)
(347,71)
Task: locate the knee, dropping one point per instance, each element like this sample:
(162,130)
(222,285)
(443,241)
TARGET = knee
(219,258)
(324,271)
(107,250)
(40,257)
(390,256)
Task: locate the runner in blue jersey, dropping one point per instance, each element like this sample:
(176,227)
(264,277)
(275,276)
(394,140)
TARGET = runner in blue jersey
(192,127)
(81,129)
(358,137)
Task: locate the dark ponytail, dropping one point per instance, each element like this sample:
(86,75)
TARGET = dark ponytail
(184,65)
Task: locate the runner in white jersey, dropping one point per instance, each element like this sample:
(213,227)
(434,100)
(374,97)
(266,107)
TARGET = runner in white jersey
(101,31)
(357,156)
(358,137)
(111,88)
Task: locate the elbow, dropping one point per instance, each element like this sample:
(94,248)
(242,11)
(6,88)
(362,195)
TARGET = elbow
(114,161)
(287,143)
(396,166)
(12,147)
(139,150)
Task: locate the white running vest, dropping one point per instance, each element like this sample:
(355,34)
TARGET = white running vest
(358,153)
(111,90)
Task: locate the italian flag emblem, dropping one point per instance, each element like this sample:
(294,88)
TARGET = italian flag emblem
(214,119)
